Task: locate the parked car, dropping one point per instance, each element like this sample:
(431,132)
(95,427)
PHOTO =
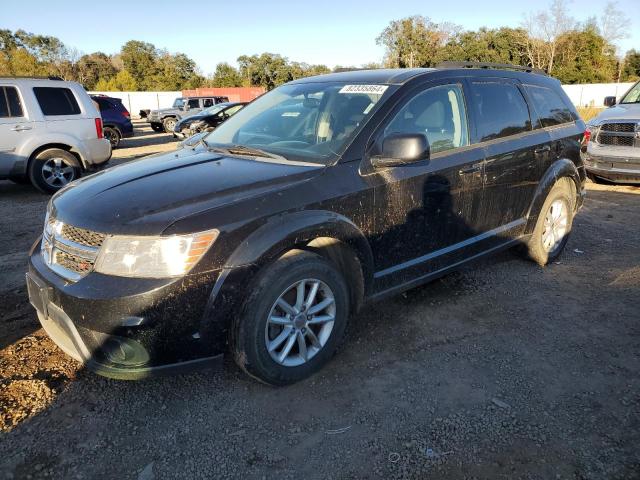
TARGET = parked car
(116,120)
(323,194)
(165,119)
(207,120)
(50,132)
(612,140)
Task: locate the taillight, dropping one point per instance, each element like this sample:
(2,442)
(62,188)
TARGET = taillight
(125,114)
(587,137)
(99,128)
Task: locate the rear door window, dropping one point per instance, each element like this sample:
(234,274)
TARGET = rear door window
(208,102)
(56,101)
(194,103)
(502,110)
(10,105)
(549,106)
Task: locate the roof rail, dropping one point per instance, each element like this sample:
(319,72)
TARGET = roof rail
(50,77)
(497,66)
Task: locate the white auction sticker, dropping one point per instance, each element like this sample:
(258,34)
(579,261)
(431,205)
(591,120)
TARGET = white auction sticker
(369,89)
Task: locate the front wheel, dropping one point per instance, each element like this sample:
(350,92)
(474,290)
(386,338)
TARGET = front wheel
(294,320)
(169,124)
(553,226)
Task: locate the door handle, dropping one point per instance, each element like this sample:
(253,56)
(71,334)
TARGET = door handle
(541,150)
(20,128)
(471,169)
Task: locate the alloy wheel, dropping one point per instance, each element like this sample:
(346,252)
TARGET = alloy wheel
(556,224)
(56,173)
(300,322)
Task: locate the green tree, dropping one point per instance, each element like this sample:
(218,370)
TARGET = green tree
(123,81)
(267,70)
(226,76)
(140,59)
(631,66)
(94,67)
(584,56)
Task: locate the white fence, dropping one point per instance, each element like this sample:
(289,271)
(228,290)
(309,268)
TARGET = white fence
(586,95)
(136,101)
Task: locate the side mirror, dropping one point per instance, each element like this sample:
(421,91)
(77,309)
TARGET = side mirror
(609,101)
(401,149)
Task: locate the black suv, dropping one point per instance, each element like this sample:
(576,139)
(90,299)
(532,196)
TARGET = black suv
(326,193)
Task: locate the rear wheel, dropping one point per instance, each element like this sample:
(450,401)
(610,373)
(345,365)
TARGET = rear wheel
(113,136)
(294,320)
(553,226)
(157,127)
(53,169)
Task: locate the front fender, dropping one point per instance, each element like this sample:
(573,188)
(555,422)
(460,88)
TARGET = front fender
(562,168)
(285,231)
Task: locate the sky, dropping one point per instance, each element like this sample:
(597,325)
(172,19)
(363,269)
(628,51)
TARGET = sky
(330,32)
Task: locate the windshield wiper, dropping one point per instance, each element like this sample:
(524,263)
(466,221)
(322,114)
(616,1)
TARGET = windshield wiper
(243,150)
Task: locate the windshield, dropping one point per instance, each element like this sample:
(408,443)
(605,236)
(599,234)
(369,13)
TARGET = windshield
(178,103)
(214,109)
(309,121)
(633,96)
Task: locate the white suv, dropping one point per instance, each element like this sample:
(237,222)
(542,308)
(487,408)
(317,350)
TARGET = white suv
(50,132)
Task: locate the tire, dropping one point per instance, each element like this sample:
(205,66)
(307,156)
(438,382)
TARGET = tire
(553,226)
(53,169)
(157,127)
(113,136)
(251,333)
(169,124)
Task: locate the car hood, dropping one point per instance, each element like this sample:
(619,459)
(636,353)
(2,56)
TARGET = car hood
(144,197)
(630,111)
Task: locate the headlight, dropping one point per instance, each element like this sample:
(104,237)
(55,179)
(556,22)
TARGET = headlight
(153,257)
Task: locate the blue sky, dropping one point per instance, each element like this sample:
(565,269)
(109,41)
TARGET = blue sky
(331,32)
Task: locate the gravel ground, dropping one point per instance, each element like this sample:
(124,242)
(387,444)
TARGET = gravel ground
(503,370)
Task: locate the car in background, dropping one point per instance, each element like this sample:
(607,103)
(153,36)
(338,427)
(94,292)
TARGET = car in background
(50,132)
(611,149)
(323,194)
(207,119)
(165,119)
(116,120)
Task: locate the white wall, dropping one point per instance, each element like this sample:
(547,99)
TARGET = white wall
(136,101)
(591,94)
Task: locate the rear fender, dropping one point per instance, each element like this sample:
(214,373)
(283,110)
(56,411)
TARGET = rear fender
(562,168)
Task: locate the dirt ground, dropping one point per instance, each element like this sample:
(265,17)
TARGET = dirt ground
(504,370)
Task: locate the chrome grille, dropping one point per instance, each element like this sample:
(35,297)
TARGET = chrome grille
(621,134)
(70,251)
(82,236)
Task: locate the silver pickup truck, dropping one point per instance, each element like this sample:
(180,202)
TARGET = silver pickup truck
(613,140)
(165,119)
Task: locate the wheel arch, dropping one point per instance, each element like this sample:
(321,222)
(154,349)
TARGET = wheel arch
(61,146)
(562,168)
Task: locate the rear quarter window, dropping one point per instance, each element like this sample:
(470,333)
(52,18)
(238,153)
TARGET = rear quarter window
(10,105)
(549,105)
(502,110)
(56,101)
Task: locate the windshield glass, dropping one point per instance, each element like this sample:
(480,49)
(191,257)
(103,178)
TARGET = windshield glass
(178,103)
(309,121)
(633,96)
(214,109)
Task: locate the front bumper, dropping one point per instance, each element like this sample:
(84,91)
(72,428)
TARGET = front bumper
(126,328)
(616,164)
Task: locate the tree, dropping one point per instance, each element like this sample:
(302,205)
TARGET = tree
(544,29)
(614,24)
(584,56)
(267,70)
(501,45)
(140,59)
(414,41)
(94,67)
(226,76)
(631,69)
(122,82)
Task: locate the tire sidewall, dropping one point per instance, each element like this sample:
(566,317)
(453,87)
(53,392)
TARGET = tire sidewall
(169,124)
(112,131)
(560,191)
(36,164)
(255,358)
